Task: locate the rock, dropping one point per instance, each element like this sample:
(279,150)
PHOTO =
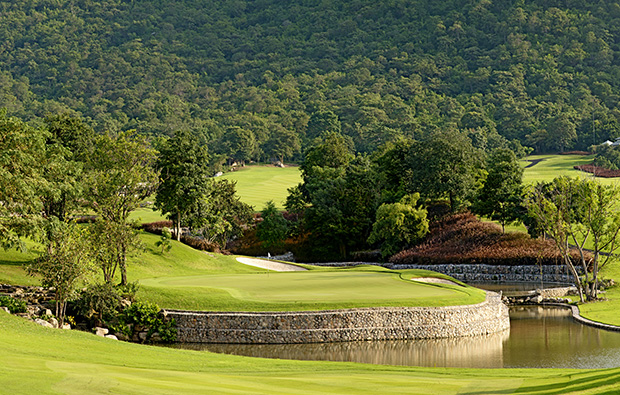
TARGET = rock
(156,337)
(66,326)
(142,336)
(53,321)
(5,309)
(43,323)
(48,312)
(111,337)
(122,336)
(101,331)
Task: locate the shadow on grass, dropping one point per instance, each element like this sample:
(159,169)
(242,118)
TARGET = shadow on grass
(582,385)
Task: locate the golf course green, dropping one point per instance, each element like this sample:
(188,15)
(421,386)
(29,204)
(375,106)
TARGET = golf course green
(39,360)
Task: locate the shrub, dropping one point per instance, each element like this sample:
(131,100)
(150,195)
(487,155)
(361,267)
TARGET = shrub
(145,316)
(156,227)
(99,301)
(463,238)
(14,305)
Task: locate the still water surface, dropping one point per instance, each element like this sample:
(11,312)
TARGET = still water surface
(539,337)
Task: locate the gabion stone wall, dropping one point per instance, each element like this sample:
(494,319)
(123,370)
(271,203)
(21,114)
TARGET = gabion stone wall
(488,317)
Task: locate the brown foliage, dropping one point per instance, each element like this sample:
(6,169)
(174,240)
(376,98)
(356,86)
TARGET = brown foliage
(576,153)
(463,238)
(156,227)
(598,171)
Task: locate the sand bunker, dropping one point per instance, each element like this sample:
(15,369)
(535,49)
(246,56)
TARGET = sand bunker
(435,280)
(270,265)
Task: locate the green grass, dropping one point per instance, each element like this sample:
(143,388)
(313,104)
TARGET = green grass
(552,166)
(256,184)
(311,290)
(46,361)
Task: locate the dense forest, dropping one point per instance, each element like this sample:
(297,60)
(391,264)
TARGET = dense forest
(260,79)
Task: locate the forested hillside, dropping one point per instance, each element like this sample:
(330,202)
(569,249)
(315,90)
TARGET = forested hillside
(261,78)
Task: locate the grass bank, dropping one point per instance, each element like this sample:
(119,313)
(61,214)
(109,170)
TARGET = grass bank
(45,361)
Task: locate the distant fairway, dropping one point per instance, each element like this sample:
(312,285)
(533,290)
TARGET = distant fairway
(256,185)
(548,167)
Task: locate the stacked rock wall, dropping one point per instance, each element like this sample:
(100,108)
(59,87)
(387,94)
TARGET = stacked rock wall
(490,316)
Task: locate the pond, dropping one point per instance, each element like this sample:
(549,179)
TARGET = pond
(540,337)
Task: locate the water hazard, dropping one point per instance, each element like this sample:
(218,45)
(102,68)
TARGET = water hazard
(540,337)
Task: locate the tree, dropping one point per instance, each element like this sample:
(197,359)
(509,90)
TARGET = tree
(272,230)
(575,211)
(184,172)
(283,144)
(500,197)
(239,144)
(111,243)
(444,166)
(120,174)
(22,154)
(322,122)
(221,215)
(399,225)
(342,204)
(64,264)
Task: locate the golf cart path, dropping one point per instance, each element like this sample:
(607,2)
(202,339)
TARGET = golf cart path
(270,265)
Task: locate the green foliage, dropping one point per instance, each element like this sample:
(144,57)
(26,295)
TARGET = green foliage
(399,225)
(530,71)
(101,301)
(273,228)
(500,197)
(64,265)
(183,164)
(14,305)
(444,166)
(146,315)
(164,240)
(22,155)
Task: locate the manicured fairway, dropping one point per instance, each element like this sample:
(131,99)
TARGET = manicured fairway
(549,167)
(37,360)
(310,290)
(256,185)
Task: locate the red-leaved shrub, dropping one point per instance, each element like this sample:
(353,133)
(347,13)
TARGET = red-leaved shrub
(463,238)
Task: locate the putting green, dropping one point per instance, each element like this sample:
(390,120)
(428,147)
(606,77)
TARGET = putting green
(311,290)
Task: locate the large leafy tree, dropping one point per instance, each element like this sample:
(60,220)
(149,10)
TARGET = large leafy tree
(69,145)
(446,165)
(120,174)
(500,197)
(22,154)
(399,225)
(184,171)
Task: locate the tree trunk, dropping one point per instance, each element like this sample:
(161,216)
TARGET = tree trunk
(123,264)
(178,226)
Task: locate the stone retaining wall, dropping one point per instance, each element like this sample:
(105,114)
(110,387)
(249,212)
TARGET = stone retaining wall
(503,274)
(490,316)
(479,273)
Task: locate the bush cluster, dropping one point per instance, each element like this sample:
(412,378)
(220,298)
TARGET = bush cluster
(598,170)
(14,305)
(145,316)
(464,239)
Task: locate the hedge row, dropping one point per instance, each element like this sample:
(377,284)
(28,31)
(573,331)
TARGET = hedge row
(463,238)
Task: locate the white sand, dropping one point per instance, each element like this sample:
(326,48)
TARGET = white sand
(270,265)
(435,280)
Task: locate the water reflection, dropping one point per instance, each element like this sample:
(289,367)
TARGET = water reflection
(540,337)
